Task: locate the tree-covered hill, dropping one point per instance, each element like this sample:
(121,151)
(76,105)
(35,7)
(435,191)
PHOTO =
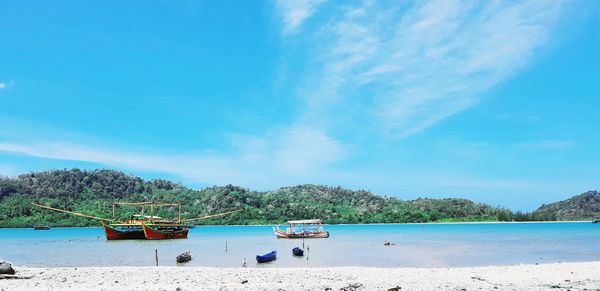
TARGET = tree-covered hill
(585,206)
(93,192)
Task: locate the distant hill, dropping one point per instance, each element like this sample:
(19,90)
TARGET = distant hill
(585,206)
(93,192)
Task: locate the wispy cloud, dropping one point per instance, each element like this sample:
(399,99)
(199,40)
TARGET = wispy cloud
(296,153)
(294,13)
(409,68)
(286,156)
(3,85)
(296,156)
(302,147)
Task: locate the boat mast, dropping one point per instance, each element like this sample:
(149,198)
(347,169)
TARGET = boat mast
(179,220)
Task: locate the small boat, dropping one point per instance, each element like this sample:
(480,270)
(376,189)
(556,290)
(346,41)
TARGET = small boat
(596,221)
(310,228)
(272,256)
(184,257)
(41,227)
(298,252)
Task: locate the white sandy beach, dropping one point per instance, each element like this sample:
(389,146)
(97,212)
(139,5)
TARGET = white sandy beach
(559,276)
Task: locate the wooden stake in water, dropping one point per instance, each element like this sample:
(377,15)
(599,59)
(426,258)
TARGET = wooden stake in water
(225,246)
(156,256)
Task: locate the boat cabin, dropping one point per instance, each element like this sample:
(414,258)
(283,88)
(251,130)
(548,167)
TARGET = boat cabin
(304,226)
(140,219)
(308,228)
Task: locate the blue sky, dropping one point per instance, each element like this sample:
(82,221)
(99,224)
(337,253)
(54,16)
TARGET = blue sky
(495,101)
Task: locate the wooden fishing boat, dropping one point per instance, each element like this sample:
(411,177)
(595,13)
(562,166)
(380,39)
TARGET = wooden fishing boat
(142,226)
(272,256)
(298,252)
(310,228)
(135,226)
(128,229)
(165,231)
(187,256)
(41,227)
(123,231)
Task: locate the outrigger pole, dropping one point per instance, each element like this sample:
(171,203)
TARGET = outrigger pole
(137,204)
(213,215)
(71,212)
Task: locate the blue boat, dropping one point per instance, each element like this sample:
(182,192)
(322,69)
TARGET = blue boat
(298,252)
(272,256)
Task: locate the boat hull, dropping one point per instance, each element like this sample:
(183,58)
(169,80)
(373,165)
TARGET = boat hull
(272,256)
(165,231)
(123,232)
(185,257)
(282,234)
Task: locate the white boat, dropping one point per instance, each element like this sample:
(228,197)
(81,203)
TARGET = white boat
(309,228)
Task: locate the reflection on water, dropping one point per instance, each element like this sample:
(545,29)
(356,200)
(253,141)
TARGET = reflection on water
(416,245)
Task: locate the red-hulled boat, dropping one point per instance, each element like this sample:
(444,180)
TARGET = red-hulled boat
(128,229)
(165,231)
(142,226)
(123,231)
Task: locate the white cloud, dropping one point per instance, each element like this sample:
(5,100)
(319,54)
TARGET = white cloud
(303,147)
(291,154)
(3,85)
(411,68)
(295,152)
(295,12)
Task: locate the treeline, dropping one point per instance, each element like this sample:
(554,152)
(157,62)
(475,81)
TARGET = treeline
(93,192)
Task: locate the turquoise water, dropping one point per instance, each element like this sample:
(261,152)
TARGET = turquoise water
(416,245)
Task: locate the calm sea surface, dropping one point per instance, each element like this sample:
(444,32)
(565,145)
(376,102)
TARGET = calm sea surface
(416,245)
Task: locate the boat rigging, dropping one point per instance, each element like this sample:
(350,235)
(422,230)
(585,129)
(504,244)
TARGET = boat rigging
(141,226)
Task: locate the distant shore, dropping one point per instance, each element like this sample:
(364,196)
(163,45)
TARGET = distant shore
(409,223)
(574,276)
(467,222)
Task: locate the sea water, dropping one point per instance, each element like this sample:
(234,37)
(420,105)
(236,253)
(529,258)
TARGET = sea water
(414,245)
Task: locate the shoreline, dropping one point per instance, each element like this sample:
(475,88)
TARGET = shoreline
(407,223)
(574,276)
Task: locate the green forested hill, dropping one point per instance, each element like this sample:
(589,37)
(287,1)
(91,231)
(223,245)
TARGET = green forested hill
(93,192)
(585,206)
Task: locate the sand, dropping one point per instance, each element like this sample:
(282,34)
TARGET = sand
(559,276)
